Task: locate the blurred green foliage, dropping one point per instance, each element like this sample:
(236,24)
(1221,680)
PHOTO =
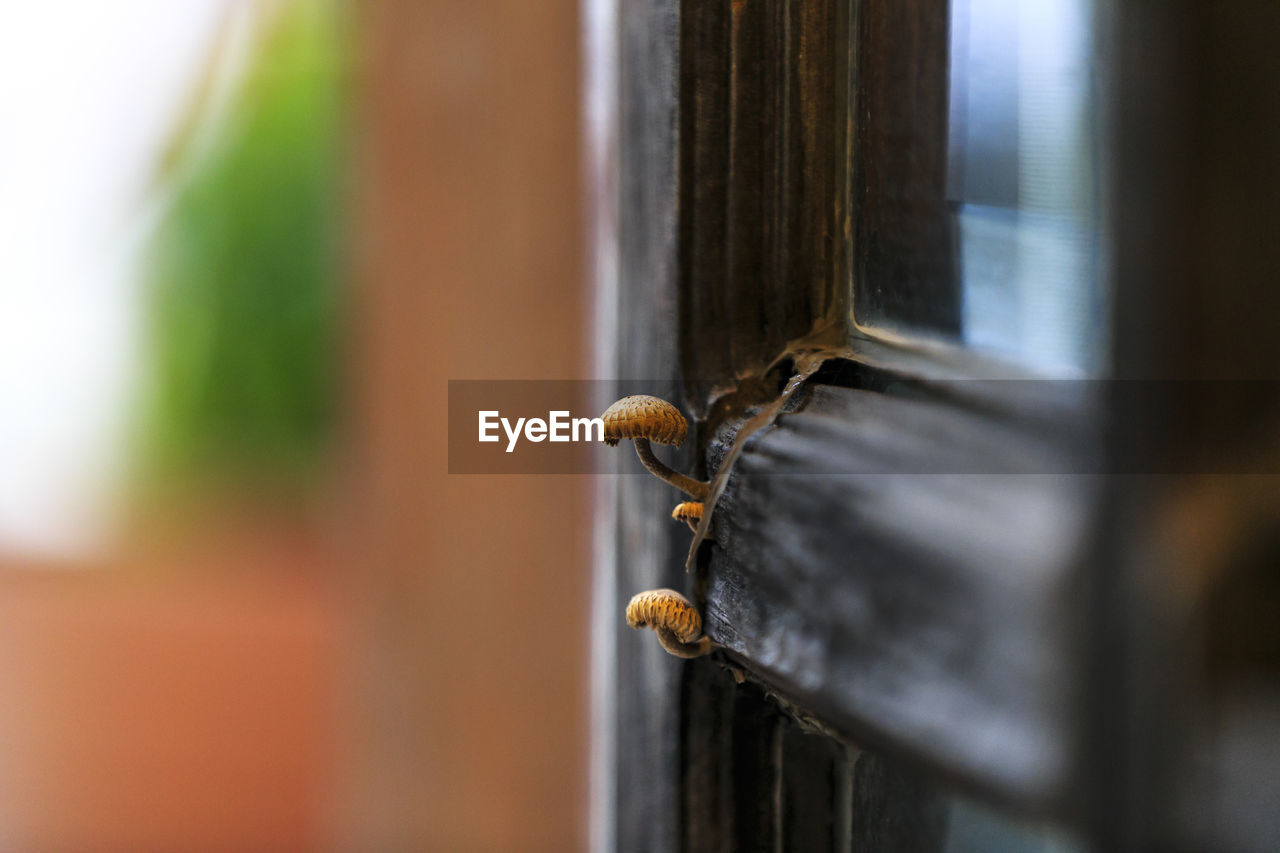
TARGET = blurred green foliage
(245,267)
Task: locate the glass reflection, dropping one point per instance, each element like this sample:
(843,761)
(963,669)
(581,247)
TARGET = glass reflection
(1021,178)
(976,185)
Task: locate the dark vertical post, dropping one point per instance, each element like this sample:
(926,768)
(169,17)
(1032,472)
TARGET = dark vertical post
(648,549)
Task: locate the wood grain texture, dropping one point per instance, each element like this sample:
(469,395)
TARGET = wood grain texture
(647,546)
(763,219)
(939,576)
(757,780)
(763,157)
(902,570)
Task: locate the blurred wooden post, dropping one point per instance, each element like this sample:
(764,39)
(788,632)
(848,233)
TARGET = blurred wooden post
(467,723)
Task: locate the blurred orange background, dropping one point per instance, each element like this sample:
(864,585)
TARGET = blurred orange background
(385,657)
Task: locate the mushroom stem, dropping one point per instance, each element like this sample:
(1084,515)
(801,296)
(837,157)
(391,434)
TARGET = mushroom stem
(688,485)
(695,649)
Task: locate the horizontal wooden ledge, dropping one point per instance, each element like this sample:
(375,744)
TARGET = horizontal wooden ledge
(935,614)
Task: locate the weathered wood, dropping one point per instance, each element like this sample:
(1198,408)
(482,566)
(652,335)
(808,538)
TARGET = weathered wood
(704,317)
(763,162)
(895,809)
(757,780)
(902,568)
(648,548)
(811,791)
(707,736)
(764,260)
(938,575)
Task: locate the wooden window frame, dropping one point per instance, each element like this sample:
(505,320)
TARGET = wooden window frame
(728,118)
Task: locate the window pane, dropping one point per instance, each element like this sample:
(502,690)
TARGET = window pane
(976,194)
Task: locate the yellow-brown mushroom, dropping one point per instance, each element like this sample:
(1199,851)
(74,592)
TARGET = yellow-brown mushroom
(673,618)
(642,418)
(690,512)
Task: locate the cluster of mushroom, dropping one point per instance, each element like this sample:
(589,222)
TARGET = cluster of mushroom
(644,419)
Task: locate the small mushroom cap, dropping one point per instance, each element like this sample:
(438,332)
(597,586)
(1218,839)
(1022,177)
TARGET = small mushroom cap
(642,416)
(665,609)
(687,511)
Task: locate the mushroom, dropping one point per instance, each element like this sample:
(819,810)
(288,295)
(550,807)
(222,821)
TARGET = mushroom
(673,618)
(642,418)
(690,512)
